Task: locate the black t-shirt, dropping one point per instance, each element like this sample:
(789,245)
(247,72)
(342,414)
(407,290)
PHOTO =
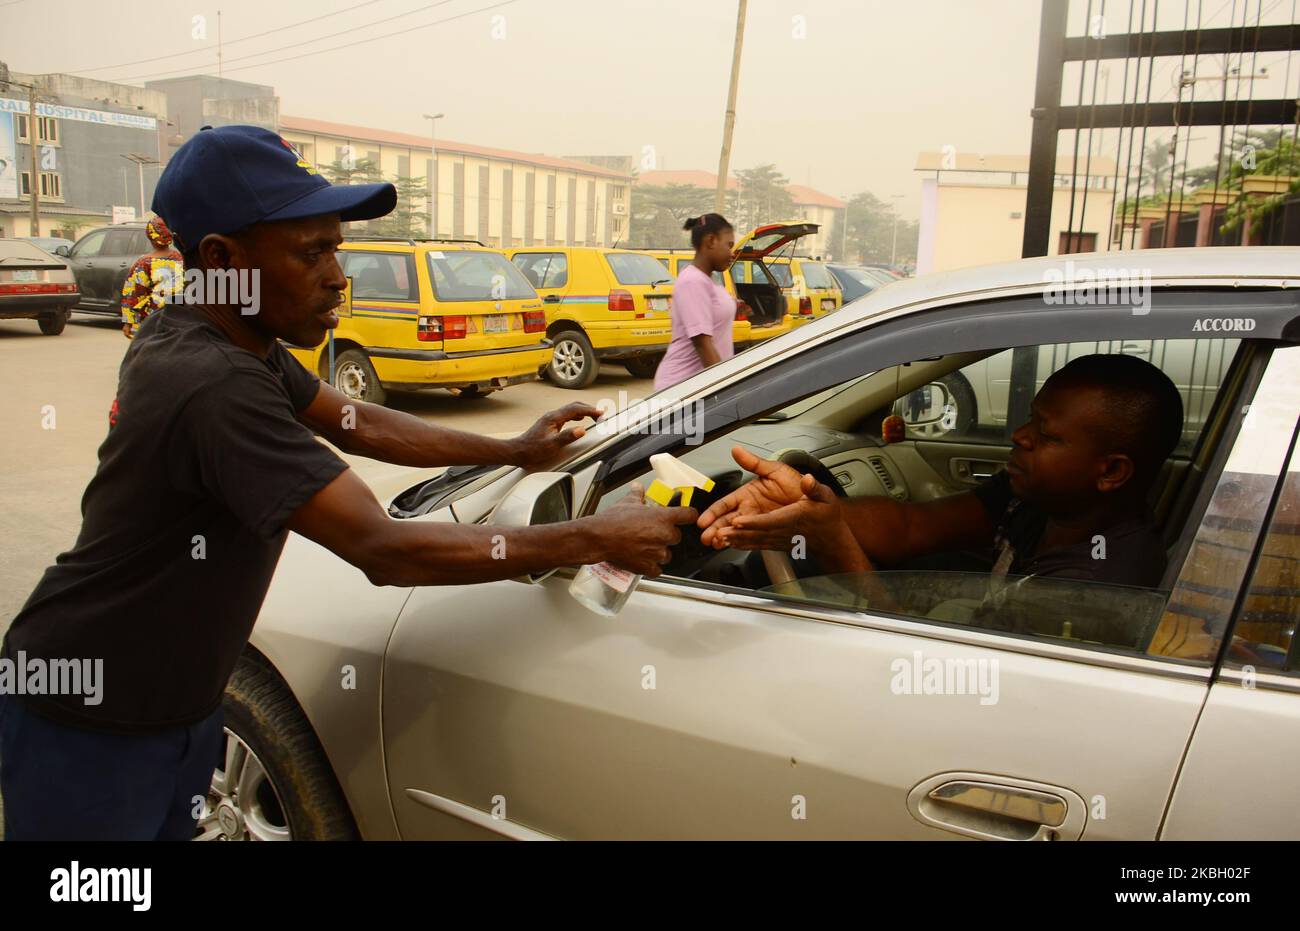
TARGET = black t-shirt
(1134,552)
(183,524)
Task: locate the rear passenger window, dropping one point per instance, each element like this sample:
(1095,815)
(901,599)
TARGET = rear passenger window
(544,269)
(1265,633)
(381,276)
(972,404)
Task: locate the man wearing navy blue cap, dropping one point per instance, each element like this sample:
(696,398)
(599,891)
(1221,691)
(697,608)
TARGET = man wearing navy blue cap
(155,601)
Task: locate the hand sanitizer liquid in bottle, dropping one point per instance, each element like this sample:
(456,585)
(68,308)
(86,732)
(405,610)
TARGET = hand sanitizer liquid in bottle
(605,588)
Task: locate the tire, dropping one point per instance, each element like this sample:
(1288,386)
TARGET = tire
(644,365)
(52,324)
(289,791)
(963,398)
(356,378)
(574,364)
(965,415)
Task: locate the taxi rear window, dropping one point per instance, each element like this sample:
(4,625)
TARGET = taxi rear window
(816,276)
(635,268)
(476,276)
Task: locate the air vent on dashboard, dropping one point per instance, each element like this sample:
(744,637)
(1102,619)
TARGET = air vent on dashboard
(886,477)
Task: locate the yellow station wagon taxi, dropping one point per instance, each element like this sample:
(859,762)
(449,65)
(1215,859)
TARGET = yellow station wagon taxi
(431,314)
(601,304)
(813,292)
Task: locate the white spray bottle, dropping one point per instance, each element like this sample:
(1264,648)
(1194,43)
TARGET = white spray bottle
(604,588)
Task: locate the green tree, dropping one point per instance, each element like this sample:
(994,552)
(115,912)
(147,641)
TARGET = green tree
(358,171)
(1281,158)
(759,197)
(869,236)
(410,217)
(659,210)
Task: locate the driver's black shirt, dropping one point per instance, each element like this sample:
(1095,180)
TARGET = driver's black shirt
(183,524)
(1133,552)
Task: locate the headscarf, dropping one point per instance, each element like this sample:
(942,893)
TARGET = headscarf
(158,233)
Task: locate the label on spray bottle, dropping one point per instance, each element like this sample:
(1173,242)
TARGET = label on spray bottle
(605,588)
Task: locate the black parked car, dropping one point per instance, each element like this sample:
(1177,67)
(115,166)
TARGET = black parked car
(855,280)
(101,261)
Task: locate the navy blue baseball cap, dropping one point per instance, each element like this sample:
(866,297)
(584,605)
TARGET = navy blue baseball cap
(228,178)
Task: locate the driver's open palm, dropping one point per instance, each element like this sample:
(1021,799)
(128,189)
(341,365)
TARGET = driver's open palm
(775,486)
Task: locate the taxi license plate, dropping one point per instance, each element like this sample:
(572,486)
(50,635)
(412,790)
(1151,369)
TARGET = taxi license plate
(496,323)
(657,303)
(828,303)
(25,274)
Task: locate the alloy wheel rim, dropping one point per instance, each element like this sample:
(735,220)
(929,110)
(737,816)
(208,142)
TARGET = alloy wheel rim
(569,360)
(242,802)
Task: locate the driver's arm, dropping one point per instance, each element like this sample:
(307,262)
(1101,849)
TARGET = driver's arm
(892,532)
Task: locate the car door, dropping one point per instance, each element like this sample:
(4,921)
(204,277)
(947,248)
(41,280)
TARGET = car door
(120,252)
(1239,779)
(708,711)
(85,260)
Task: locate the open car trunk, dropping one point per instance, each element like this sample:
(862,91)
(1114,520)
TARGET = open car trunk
(766,303)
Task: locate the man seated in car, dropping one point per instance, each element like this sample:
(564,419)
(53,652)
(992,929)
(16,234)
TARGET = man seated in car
(1072,503)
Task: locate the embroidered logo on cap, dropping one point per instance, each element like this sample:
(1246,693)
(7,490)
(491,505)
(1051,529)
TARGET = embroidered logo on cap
(302,162)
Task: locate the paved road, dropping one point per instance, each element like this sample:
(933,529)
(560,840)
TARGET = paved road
(73,377)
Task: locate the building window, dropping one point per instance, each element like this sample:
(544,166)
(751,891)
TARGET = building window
(308,150)
(51,185)
(47,129)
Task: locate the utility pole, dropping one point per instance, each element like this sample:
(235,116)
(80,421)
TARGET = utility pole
(724,161)
(36,165)
(35,174)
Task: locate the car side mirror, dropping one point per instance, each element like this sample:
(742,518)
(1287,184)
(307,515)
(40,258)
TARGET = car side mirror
(928,406)
(537,499)
(64,251)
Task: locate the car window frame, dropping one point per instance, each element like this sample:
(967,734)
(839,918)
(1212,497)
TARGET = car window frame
(923,334)
(412,284)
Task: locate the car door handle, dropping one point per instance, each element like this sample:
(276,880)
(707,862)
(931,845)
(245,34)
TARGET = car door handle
(124,265)
(551,299)
(996,809)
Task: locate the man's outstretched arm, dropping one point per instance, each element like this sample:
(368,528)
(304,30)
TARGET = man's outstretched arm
(403,439)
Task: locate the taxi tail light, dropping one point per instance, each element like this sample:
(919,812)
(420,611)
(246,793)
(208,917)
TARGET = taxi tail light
(805,305)
(621,300)
(743,311)
(534,321)
(37,287)
(429,329)
(454,327)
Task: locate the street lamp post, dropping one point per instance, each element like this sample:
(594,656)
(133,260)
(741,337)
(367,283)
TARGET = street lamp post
(893,251)
(433,173)
(140,162)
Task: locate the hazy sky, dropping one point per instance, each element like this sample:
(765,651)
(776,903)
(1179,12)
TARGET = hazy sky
(839,94)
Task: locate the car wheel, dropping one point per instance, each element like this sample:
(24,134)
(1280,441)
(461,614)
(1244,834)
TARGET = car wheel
(644,365)
(52,324)
(355,377)
(272,781)
(574,364)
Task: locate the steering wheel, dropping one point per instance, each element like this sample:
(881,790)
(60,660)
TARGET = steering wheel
(779,565)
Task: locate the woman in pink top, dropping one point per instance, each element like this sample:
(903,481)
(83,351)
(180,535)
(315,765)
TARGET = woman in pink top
(703,311)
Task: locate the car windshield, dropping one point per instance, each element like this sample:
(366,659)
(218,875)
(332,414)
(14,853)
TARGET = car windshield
(636,268)
(476,276)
